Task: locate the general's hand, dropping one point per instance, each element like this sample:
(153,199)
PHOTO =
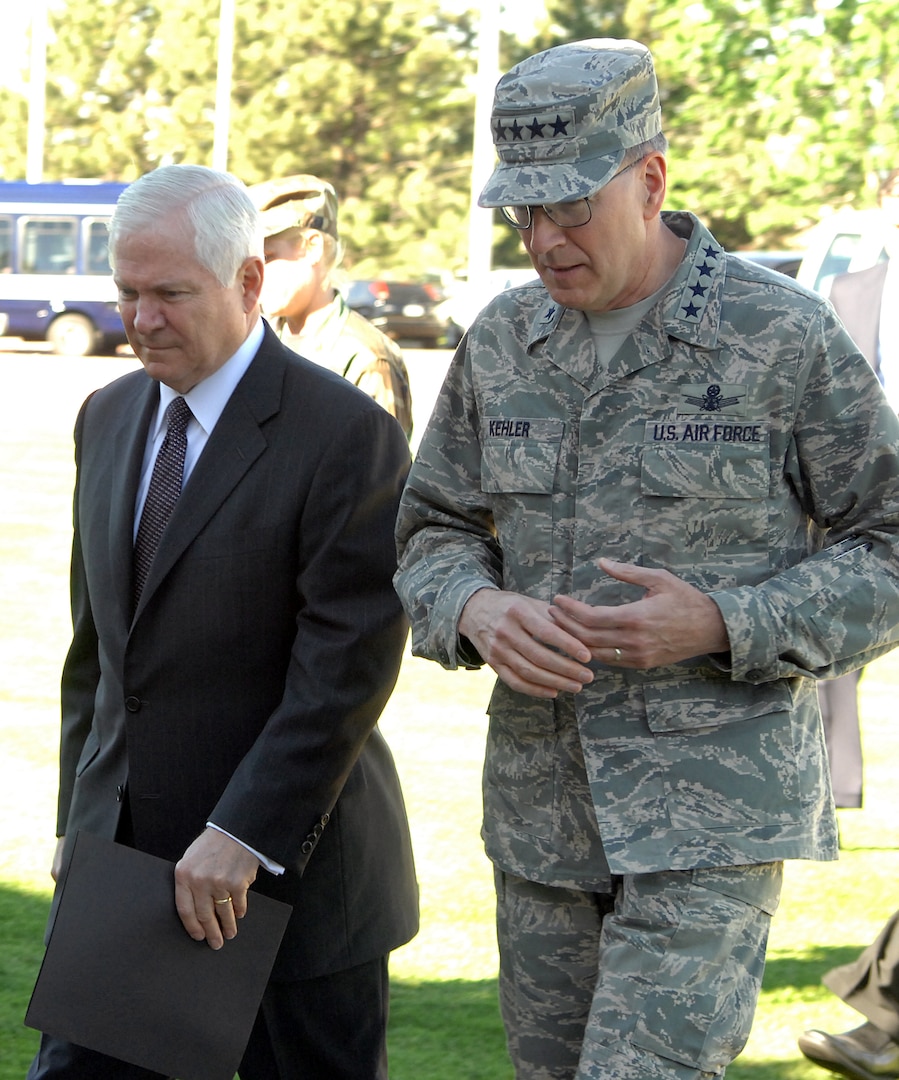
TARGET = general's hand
(519,639)
(672,621)
(212,868)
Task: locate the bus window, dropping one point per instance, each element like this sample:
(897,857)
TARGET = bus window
(5,245)
(48,246)
(97,248)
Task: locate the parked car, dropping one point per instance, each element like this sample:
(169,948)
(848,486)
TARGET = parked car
(405,311)
(787,262)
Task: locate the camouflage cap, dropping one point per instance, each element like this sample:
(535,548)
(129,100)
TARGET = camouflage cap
(302,201)
(562,120)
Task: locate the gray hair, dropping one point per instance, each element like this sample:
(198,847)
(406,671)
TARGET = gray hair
(226,225)
(657,144)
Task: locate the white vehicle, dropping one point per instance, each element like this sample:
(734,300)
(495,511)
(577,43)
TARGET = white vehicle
(465,301)
(846,241)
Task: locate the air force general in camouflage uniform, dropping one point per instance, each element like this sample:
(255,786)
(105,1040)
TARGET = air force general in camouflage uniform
(659,494)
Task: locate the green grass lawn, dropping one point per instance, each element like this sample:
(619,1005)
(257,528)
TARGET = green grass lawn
(445,1023)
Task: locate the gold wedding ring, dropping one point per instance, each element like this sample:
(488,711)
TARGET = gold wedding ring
(617,654)
(227,900)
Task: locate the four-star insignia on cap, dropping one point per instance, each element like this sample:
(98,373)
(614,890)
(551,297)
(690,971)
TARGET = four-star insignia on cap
(542,126)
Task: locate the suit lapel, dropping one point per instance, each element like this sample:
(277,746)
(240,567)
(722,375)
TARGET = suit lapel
(233,447)
(129,444)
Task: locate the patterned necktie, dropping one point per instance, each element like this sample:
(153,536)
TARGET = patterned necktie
(163,492)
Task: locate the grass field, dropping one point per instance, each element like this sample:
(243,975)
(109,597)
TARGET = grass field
(445,1024)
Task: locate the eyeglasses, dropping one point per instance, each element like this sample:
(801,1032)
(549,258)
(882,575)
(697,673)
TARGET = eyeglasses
(567,215)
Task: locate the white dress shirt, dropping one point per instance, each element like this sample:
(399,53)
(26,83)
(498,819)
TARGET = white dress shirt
(207,401)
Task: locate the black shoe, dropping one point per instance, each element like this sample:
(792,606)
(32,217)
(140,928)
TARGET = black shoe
(865,1053)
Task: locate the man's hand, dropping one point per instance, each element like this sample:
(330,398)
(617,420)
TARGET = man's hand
(56,865)
(212,869)
(527,649)
(673,621)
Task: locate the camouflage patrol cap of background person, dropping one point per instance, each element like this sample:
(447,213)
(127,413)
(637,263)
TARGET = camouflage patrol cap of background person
(302,201)
(563,119)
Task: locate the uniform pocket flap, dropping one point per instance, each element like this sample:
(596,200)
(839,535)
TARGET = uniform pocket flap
(690,705)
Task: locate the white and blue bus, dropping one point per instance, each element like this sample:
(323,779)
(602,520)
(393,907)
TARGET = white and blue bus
(55,281)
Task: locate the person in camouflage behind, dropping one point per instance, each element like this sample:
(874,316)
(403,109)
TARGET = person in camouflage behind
(659,496)
(300,298)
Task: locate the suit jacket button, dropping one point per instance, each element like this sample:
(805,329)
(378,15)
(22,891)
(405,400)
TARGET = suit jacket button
(325,818)
(132,704)
(307,847)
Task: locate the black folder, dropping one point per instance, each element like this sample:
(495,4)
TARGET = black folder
(122,976)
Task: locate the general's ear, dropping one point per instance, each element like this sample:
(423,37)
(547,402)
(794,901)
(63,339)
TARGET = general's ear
(655,178)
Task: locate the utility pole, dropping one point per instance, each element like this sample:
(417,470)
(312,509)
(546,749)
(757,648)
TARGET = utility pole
(37,93)
(480,221)
(224,73)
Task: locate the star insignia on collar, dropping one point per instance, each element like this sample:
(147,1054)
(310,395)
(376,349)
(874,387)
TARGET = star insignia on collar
(516,130)
(499,130)
(536,129)
(560,126)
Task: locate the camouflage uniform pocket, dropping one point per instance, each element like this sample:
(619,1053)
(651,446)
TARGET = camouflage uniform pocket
(702,997)
(705,509)
(520,455)
(708,470)
(693,704)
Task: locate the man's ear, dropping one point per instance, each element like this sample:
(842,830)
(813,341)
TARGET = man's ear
(315,246)
(250,277)
(655,178)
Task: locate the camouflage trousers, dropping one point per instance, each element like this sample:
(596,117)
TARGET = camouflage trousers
(657,979)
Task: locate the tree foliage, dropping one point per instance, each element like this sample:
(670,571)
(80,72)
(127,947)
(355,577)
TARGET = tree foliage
(371,94)
(777,110)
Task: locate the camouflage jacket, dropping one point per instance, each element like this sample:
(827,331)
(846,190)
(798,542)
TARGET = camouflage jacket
(737,439)
(349,344)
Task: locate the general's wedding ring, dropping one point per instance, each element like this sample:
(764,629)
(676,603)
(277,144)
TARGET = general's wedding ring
(227,900)
(617,654)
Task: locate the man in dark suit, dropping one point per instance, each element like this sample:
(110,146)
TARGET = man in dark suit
(222,712)
(870,984)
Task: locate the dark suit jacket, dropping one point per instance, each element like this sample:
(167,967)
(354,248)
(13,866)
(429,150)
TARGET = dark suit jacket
(246,687)
(857,298)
